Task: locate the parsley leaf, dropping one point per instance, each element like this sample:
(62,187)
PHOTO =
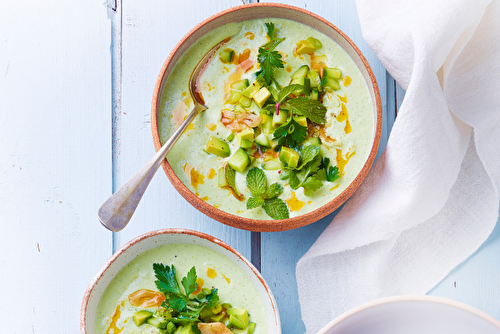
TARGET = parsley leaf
(290,134)
(189,282)
(276,208)
(268,58)
(265,196)
(311,184)
(332,173)
(312,109)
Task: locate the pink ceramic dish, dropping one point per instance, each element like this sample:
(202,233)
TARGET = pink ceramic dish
(413,315)
(158,238)
(256,11)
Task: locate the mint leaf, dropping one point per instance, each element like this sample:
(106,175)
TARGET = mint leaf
(308,154)
(274,93)
(189,282)
(286,91)
(274,190)
(257,182)
(253,202)
(276,208)
(312,109)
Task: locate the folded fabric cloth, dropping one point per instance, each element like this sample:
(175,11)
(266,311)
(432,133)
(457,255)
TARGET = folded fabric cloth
(433,196)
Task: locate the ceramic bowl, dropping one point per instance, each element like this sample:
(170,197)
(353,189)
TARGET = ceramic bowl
(158,238)
(255,11)
(413,315)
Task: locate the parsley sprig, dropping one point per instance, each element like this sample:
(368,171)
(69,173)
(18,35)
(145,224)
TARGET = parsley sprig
(265,196)
(328,173)
(290,134)
(182,306)
(268,58)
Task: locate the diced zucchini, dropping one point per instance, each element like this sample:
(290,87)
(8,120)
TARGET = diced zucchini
(240,84)
(140,317)
(234,97)
(289,157)
(302,120)
(263,140)
(333,73)
(218,147)
(251,90)
(330,82)
(226,56)
(245,102)
(261,96)
(246,134)
(312,141)
(300,73)
(239,160)
(314,77)
(280,118)
(153,321)
(221,178)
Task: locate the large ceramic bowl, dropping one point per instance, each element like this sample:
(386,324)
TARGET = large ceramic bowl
(255,11)
(164,237)
(413,315)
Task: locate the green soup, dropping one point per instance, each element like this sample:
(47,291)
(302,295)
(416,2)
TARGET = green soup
(114,312)
(346,136)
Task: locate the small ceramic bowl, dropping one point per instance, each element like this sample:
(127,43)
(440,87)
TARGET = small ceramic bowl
(158,238)
(256,11)
(413,315)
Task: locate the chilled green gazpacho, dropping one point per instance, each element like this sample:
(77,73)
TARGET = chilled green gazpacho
(181,289)
(289,125)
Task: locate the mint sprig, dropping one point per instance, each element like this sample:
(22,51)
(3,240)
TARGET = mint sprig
(312,109)
(265,196)
(306,174)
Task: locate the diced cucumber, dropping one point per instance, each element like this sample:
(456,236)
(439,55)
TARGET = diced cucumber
(267,124)
(246,102)
(226,56)
(261,96)
(140,317)
(251,90)
(300,73)
(240,84)
(333,73)
(314,77)
(230,137)
(246,144)
(314,94)
(330,82)
(246,134)
(280,118)
(218,147)
(239,160)
(312,141)
(234,97)
(153,321)
(221,178)
(238,318)
(289,157)
(263,140)
(306,83)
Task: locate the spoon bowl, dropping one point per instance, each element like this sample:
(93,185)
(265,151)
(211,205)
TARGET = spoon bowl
(116,211)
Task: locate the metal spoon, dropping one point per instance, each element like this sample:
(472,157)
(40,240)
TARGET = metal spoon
(117,210)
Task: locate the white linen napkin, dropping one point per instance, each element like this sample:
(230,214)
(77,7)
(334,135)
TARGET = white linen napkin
(433,197)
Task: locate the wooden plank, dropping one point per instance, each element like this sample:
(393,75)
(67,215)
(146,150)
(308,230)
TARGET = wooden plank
(281,251)
(55,169)
(149,32)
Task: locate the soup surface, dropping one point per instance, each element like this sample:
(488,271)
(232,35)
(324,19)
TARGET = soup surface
(115,312)
(345,136)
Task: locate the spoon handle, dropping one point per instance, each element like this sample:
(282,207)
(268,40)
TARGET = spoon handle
(117,210)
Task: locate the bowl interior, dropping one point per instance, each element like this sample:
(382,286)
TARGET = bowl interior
(417,315)
(256,11)
(172,236)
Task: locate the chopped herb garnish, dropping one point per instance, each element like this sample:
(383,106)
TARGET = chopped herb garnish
(290,134)
(312,109)
(328,173)
(265,196)
(306,174)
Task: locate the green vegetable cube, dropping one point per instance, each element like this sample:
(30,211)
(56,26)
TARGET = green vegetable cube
(217,147)
(239,160)
(251,90)
(153,321)
(289,157)
(140,317)
(280,119)
(221,178)
(226,56)
(302,120)
(240,84)
(263,140)
(238,318)
(246,134)
(333,73)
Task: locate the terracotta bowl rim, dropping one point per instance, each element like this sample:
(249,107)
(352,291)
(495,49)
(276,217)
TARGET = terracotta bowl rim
(258,225)
(201,235)
(409,298)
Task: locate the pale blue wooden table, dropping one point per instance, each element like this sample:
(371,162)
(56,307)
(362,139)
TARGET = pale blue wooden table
(76,81)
